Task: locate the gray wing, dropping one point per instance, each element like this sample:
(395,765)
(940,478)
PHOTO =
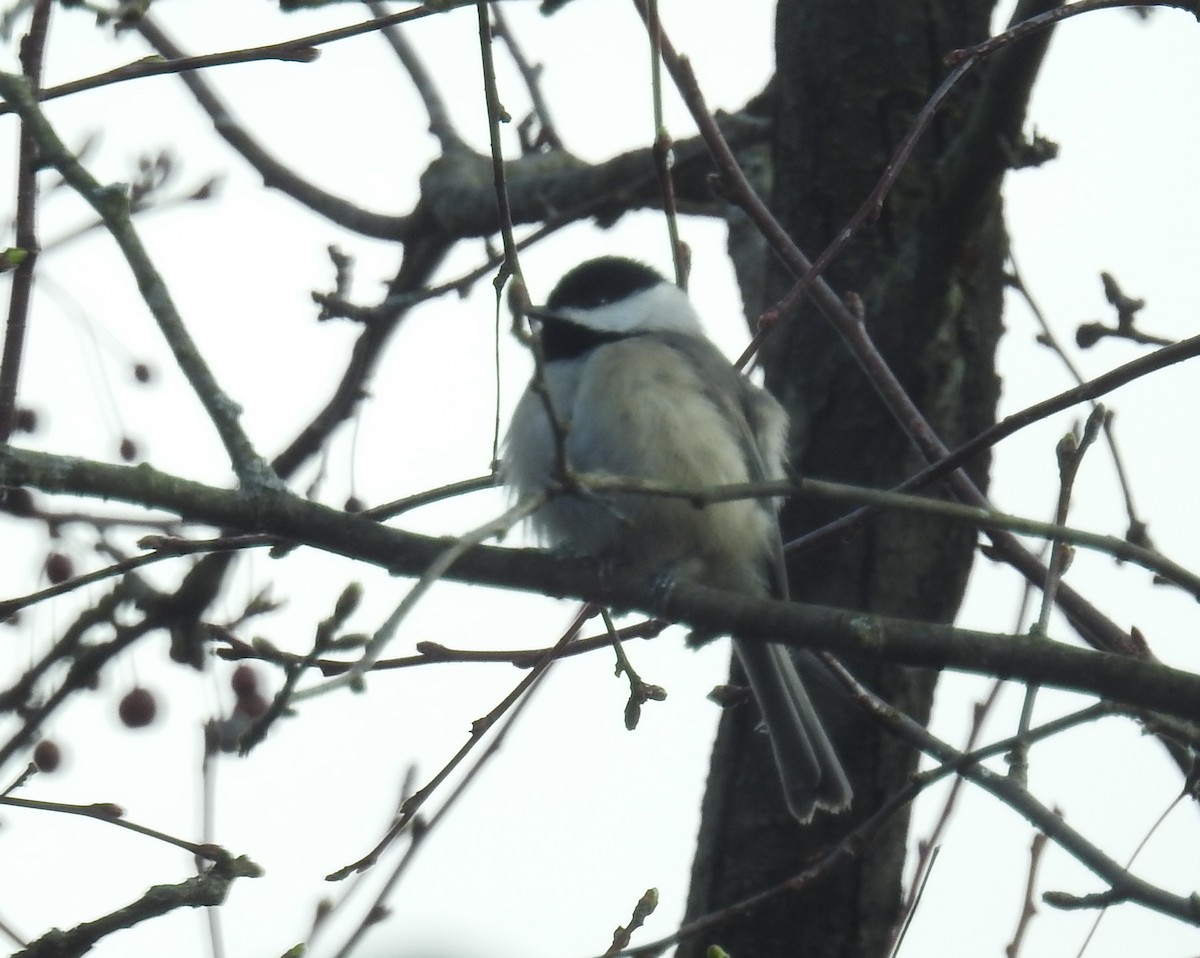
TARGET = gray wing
(809,770)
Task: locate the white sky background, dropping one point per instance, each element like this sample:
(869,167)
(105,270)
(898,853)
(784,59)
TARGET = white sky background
(576,817)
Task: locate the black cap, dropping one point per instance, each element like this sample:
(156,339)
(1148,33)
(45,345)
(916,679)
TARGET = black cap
(608,279)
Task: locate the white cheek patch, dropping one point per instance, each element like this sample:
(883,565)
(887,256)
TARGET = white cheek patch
(662,308)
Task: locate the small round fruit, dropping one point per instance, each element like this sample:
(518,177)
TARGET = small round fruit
(138,708)
(47,756)
(244,681)
(59,567)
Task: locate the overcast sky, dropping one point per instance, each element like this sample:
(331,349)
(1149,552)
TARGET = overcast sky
(576,817)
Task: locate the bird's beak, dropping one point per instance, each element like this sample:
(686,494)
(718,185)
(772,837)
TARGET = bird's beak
(542,314)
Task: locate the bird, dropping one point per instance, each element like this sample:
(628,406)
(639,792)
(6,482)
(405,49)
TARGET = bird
(640,392)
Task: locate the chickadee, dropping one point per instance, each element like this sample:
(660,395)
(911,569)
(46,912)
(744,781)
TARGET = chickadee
(643,394)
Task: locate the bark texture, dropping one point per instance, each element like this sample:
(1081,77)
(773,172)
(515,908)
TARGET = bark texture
(851,77)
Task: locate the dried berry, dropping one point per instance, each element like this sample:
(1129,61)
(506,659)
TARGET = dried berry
(18,501)
(59,567)
(138,708)
(47,756)
(244,681)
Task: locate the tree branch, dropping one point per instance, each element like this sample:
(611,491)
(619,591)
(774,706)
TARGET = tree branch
(32,48)
(112,203)
(1138,683)
(207,889)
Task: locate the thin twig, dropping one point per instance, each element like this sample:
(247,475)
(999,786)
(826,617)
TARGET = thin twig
(1137,528)
(1010,425)
(640,691)
(866,214)
(984,518)
(28,162)
(440,124)
(920,881)
(1096,628)
(7,930)
(113,814)
(532,75)
(433,574)
(511,267)
(644,908)
(1028,909)
(851,845)
(663,149)
(1048,19)
(1088,334)
(1069,451)
(421,835)
(85,666)
(112,203)
(9,606)
(1129,864)
(297,50)
(326,632)
(389,510)
(479,728)
(1124,885)
(433,653)
(208,809)
(979,714)
(275,173)
(497,114)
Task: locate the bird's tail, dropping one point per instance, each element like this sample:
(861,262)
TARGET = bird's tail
(809,769)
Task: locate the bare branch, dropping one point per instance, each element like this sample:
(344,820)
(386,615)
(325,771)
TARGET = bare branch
(1142,684)
(1124,886)
(547,135)
(1051,17)
(28,161)
(207,889)
(439,117)
(114,815)
(112,203)
(479,728)
(297,50)
(275,174)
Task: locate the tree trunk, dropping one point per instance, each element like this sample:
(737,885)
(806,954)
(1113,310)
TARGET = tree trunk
(850,80)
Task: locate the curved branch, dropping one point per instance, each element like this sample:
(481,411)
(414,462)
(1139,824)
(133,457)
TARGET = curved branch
(207,889)
(274,173)
(33,47)
(1090,390)
(1096,628)
(458,200)
(439,117)
(115,815)
(112,204)
(1124,885)
(982,153)
(1025,27)
(1137,682)
(531,73)
(457,189)
(300,49)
